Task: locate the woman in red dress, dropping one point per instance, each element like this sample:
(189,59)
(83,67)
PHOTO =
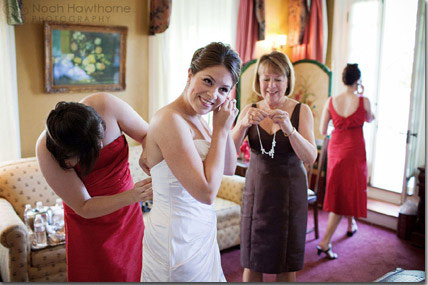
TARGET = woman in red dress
(83,155)
(346,190)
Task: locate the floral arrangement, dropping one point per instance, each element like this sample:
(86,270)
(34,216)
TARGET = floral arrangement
(88,53)
(85,58)
(244,151)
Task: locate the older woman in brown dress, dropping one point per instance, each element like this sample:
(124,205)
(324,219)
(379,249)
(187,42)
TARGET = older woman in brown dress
(274,209)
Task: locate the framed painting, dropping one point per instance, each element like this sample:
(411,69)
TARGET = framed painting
(80,58)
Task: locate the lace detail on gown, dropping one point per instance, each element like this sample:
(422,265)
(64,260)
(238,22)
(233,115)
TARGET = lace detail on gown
(180,238)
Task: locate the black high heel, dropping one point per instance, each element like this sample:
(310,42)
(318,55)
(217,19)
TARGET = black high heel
(349,234)
(328,252)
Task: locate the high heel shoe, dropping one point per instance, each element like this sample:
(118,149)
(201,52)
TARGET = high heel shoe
(328,252)
(349,234)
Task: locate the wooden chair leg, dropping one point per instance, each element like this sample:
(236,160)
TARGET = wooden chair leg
(316,220)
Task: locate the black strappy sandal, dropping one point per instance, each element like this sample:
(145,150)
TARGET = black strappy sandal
(328,252)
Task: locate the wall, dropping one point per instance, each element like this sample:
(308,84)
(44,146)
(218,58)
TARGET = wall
(276,17)
(34,103)
(277,23)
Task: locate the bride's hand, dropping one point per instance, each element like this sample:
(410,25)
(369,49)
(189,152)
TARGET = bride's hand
(225,115)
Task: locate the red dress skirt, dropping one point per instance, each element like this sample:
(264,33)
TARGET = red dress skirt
(346,189)
(107,248)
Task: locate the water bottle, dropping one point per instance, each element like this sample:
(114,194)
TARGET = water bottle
(40,231)
(58,215)
(39,206)
(42,211)
(59,203)
(28,218)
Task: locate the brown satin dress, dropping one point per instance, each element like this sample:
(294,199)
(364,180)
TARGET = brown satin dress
(274,206)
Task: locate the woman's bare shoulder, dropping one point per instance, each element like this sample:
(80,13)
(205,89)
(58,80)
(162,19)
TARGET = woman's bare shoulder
(167,119)
(41,143)
(365,99)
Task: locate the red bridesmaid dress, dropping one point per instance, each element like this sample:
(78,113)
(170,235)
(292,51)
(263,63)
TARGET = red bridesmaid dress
(107,248)
(346,189)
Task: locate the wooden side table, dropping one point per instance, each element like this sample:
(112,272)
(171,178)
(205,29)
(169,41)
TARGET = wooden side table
(241,167)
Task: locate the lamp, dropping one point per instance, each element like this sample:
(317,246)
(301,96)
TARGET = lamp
(272,42)
(277,40)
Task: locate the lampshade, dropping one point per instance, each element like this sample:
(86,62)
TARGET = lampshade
(272,42)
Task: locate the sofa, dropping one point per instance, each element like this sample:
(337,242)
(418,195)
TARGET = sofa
(21,182)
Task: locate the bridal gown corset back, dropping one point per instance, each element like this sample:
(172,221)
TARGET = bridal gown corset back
(180,238)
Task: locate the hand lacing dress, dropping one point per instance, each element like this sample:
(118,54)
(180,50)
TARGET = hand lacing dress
(274,205)
(180,239)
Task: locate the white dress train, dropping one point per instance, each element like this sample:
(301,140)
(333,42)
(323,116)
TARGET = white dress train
(180,237)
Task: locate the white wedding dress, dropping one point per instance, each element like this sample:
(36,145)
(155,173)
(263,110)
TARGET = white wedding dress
(180,237)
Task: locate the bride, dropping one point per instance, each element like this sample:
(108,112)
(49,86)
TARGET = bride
(187,162)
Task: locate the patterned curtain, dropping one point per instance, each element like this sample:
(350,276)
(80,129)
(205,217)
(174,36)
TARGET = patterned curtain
(312,46)
(248,29)
(260,16)
(14,12)
(10,144)
(297,19)
(160,13)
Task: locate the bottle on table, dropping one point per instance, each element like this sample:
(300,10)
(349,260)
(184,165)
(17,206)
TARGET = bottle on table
(40,209)
(28,217)
(40,231)
(58,215)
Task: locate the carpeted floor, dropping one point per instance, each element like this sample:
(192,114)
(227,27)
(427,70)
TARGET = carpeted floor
(372,252)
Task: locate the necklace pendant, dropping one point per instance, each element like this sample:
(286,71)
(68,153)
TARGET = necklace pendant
(271,152)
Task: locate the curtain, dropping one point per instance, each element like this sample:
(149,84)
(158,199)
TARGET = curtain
(9,120)
(416,144)
(193,24)
(247,30)
(312,46)
(260,16)
(160,13)
(14,12)
(158,66)
(297,19)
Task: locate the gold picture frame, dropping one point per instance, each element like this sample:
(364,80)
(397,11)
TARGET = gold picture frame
(81,58)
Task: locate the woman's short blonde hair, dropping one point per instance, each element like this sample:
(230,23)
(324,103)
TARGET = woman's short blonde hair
(280,63)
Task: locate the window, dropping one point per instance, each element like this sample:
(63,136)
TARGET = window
(9,120)
(194,24)
(380,37)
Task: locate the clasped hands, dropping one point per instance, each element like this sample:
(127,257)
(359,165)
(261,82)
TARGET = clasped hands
(280,117)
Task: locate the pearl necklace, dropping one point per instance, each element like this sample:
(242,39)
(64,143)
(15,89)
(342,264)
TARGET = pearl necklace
(271,153)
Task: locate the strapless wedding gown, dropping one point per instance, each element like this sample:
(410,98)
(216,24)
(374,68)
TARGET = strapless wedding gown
(180,237)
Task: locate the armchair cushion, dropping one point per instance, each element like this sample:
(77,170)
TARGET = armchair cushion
(21,182)
(48,264)
(49,255)
(228,213)
(14,246)
(231,188)
(227,206)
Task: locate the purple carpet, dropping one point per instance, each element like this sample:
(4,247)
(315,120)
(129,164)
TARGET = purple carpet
(371,253)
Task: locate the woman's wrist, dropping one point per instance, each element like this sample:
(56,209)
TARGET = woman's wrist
(131,196)
(220,133)
(292,132)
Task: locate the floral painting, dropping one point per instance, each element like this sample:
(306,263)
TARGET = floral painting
(304,94)
(312,87)
(83,58)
